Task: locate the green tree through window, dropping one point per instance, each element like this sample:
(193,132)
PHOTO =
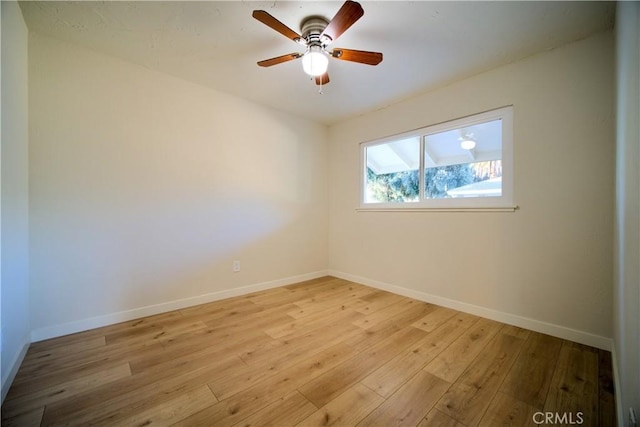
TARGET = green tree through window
(441,179)
(394,187)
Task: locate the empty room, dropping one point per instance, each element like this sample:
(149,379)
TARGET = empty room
(309,213)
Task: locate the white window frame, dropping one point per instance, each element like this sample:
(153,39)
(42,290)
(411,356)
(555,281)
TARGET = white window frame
(505,202)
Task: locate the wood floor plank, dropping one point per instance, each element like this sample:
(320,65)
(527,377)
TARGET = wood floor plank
(317,320)
(74,360)
(332,297)
(279,297)
(327,288)
(311,283)
(450,364)
(142,355)
(436,418)
(217,308)
(306,339)
(87,335)
(152,331)
(606,397)
(515,331)
(113,354)
(174,410)
(347,409)
(350,302)
(286,411)
(241,405)
(398,370)
(468,399)
(331,384)
(411,403)
(220,340)
(293,294)
(379,300)
(369,337)
(289,353)
(46,396)
(401,308)
(31,418)
(409,363)
(530,377)
(173,400)
(53,377)
(108,399)
(274,296)
(195,348)
(505,410)
(34,357)
(228,315)
(434,319)
(575,383)
(89,360)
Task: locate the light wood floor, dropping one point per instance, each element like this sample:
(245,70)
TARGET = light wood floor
(322,352)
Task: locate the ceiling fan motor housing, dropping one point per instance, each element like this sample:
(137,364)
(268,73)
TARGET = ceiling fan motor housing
(312,29)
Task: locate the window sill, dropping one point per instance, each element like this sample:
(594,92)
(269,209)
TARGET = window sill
(451,209)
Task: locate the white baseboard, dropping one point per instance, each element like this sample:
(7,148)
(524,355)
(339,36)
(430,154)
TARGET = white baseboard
(7,379)
(563,332)
(123,316)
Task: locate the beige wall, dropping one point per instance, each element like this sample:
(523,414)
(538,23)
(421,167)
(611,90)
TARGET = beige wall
(144,188)
(15,329)
(548,266)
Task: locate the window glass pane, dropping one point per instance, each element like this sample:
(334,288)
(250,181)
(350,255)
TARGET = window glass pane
(464,162)
(391,174)
(479,179)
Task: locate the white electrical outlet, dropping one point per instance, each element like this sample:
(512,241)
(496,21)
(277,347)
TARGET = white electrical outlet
(236,266)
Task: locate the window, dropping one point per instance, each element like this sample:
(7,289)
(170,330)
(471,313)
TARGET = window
(464,163)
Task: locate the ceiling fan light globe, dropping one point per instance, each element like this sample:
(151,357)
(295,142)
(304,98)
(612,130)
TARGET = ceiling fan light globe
(315,63)
(468,144)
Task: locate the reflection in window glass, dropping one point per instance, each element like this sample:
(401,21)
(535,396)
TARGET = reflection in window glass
(464,162)
(392,173)
(479,179)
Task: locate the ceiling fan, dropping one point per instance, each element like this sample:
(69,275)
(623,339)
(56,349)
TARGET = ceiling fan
(317,35)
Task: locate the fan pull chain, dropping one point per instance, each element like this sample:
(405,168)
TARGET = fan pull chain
(319,85)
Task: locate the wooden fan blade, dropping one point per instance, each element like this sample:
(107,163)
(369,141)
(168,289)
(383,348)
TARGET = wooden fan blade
(279,59)
(349,13)
(361,56)
(273,23)
(323,79)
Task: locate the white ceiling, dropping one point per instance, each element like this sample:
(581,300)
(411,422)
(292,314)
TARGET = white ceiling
(217,44)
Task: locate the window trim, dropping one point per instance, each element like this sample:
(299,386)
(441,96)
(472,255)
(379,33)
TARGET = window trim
(504,203)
